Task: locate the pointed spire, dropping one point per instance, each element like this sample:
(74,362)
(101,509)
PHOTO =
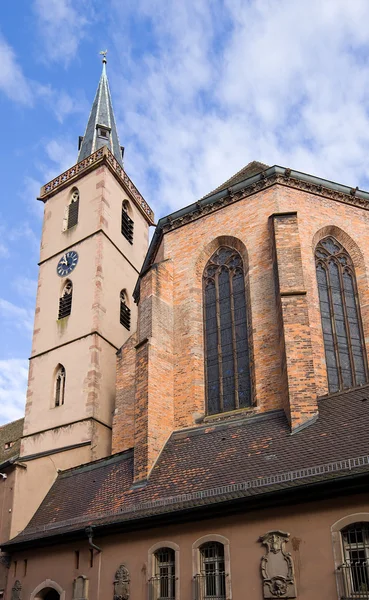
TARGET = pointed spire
(101,129)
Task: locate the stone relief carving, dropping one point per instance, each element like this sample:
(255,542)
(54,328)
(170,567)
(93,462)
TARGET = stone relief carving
(16,591)
(277,566)
(80,588)
(121,583)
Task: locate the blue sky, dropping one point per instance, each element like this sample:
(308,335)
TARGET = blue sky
(199,89)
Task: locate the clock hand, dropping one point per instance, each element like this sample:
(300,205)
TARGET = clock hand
(63,260)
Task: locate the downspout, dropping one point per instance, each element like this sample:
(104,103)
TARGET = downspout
(89,532)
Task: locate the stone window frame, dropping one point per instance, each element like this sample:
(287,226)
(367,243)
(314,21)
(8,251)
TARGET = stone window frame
(65,299)
(124,313)
(196,558)
(337,543)
(127,221)
(48,583)
(151,563)
(352,247)
(59,371)
(74,196)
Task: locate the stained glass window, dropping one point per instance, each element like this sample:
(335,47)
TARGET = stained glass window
(226,343)
(340,313)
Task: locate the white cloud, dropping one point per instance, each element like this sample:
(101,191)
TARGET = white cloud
(222,84)
(21,318)
(25,286)
(61,27)
(13,83)
(13,386)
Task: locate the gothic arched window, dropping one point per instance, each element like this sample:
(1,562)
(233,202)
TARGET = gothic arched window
(65,300)
(127,222)
(227,368)
(125,312)
(340,313)
(73,209)
(59,386)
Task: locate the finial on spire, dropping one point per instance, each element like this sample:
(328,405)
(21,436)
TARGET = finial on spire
(104,53)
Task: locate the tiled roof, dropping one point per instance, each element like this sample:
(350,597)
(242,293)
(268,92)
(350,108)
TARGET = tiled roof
(252,168)
(254,450)
(11,434)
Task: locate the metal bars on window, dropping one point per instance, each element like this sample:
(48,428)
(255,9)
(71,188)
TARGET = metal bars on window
(340,314)
(127,224)
(210,583)
(65,301)
(125,312)
(226,342)
(353,574)
(162,585)
(73,210)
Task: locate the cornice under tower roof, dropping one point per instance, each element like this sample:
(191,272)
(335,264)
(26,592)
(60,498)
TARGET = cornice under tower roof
(101,129)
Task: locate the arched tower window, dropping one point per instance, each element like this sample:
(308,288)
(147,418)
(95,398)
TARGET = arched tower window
(127,222)
(65,300)
(211,581)
(73,209)
(59,386)
(227,367)
(125,312)
(340,313)
(163,582)
(353,574)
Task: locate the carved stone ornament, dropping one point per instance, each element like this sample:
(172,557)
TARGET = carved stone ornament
(277,566)
(16,590)
(121,583)
(80,588)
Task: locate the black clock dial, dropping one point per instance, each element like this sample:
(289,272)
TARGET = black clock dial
(67,263)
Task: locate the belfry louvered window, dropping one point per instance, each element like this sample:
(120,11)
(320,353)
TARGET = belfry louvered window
(211,581)
(59,386)
(73,209)
(125,312)
(340,313)
(353,573)
(127,223)
(65,301)
(163,583)
(227,368)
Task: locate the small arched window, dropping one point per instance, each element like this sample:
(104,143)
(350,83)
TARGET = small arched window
(340,313)
(127,222)
(59,386)
(227,367)
(73,208)
(353,574)
(125,312)
(211,581)
(65,300)
(163,582)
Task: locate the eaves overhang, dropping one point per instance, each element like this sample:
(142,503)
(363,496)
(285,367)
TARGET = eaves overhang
(247,187)
(310,491)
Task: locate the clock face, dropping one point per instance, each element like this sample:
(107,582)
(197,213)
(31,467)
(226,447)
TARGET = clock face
(67,263)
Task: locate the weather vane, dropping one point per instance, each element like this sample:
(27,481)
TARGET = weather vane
(104,53)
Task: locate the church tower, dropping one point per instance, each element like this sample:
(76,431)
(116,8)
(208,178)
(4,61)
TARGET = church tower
(94,240)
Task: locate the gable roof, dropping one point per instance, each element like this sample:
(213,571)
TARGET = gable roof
(10,433)
(252,168)
(209,464)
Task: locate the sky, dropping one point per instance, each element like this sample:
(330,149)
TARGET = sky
(199,90)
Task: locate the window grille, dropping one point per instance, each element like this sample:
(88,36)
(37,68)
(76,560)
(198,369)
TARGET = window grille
(125,312)
(210,583)
(353,574)
(127,224)
(227,366)
(60,386)
(340,314)
(73,210)
(65,302)
(163,583)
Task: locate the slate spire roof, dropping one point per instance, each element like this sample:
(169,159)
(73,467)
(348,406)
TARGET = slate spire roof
(101,129)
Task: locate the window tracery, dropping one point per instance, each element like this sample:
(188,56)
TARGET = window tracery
(227,368)
(59,386)
(340,315)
